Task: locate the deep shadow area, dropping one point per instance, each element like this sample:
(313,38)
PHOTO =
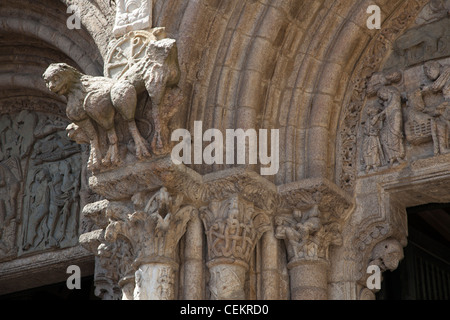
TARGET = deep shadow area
(424,273)
(57,291)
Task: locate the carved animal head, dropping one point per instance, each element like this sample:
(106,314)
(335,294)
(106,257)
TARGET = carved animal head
(60,77)
(387,254)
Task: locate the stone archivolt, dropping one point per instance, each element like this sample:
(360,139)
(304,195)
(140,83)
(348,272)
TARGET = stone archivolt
(152,206)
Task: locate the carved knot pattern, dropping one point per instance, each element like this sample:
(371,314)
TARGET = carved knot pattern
(308,235)
(233,227)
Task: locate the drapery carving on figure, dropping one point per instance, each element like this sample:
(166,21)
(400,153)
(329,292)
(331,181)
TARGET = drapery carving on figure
(440,77)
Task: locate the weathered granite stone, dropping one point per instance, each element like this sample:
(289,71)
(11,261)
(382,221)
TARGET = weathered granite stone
(363,120)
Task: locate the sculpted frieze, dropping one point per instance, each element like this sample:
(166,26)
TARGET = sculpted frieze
(349,163)
(407,120)
(40,182)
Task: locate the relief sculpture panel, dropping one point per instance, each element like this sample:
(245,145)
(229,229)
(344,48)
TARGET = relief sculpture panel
(407,115)
(40,177)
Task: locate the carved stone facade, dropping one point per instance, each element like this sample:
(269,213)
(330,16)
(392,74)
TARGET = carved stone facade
(86,175)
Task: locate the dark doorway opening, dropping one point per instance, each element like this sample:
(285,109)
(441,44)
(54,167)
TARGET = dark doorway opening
(57,291)
(424,273)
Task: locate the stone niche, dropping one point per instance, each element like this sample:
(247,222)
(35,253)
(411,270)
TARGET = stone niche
(40,183)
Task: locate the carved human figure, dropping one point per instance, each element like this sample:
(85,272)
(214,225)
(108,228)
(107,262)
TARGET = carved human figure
(441,113)
(39,206)
(300,232)
(63,196)
(9,190)
(440,77)
(392,136)
(57,200)
(372,150)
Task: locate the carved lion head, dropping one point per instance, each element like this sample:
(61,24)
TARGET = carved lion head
(59,77)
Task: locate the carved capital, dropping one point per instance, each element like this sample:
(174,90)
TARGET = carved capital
(136,236)
(233,227)
(154,228)
(319,210)
(308,234)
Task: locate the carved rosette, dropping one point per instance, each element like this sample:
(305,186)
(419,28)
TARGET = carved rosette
(232,226)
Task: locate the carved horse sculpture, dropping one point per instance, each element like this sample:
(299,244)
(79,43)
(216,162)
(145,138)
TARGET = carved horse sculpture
(99,98)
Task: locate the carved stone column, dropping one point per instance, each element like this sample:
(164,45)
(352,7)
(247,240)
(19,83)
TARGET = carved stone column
(154,231)
(318,211)
(233,226)
(137,247)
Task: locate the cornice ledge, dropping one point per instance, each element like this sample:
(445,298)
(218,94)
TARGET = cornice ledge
(306,193)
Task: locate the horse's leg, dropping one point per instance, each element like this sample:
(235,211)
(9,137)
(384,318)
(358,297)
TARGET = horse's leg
(95,156)
(112,156)
(141,149)
(157,143)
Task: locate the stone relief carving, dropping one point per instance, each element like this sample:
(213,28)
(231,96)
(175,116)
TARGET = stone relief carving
(132,15)
(383,142)
(433,11)
(440,114)
(232,226)
(39,184)
(386,255)
(308,235)
(138,251)
(351,115)
(427,40)
(416,113)
(94,102)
